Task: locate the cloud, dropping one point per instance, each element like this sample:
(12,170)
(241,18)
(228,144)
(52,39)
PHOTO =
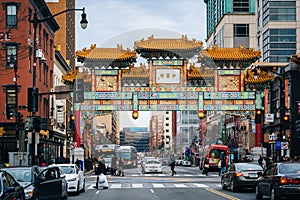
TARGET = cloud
(108,19)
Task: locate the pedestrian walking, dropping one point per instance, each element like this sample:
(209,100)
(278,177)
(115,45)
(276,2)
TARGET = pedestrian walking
(260,160)
(77,162)
(206,167)
(172,165)
(100,170)
(113,165)
(223,166)
(121,165)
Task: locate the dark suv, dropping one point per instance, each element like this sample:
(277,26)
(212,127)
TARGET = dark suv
(37,181)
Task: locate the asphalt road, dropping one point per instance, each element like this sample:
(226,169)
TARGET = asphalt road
(189,184)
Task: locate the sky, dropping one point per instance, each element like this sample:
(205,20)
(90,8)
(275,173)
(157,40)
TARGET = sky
(112,22)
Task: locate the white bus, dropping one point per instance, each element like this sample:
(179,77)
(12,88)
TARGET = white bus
(129,155)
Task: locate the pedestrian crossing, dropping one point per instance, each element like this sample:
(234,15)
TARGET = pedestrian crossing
(156,185)
(162,175)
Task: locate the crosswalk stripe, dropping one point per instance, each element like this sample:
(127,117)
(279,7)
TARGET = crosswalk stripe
(116,186)
(200,185)
(138,185)
(158,185)
(180,185)
(161,175)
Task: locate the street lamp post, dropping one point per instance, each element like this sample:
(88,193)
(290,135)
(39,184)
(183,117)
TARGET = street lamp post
(35,21)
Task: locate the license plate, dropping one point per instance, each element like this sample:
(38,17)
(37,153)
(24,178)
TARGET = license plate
(253,175)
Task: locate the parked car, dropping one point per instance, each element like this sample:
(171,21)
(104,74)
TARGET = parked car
(240,175)
(9,187)
(152,165)
(74,177)
(279,180)
(41,183)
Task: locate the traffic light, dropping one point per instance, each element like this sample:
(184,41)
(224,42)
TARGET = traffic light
(289,137)
(69,136)
(79,91)
(32,100)
(286,118)
(72,121)
(36,121)
(19,117)
(258,116)
(10,109)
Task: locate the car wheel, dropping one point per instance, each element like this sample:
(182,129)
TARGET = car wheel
(223,186)
(258,195)
(232,187)
(273,194)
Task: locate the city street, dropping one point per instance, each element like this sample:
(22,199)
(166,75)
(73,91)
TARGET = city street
(189,183)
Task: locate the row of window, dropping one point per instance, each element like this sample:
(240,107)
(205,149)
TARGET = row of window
(279,44)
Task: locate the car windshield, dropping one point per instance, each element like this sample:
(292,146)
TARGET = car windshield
(289,168)
(22,175)
(107,160)
(248,167)
(67,169)
(153,162)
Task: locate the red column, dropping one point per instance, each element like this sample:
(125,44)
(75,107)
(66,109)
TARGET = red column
(258,135)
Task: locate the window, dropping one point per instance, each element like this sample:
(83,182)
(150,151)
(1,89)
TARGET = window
(279,44)
(240,5)
(11,53)
(241,30)
(11,13)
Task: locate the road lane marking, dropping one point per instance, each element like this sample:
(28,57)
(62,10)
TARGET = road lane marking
(158,185)
(147,174)
(138,185)
(180,185)
(116,186)
(152,190)
(221,194)
(200,185)
(97,192)
(161,175)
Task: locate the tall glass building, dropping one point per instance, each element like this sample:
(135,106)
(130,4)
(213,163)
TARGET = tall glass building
(277,29)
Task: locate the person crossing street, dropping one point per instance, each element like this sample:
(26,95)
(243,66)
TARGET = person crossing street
(172,165)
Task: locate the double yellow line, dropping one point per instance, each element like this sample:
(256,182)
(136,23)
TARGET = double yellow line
(221,194)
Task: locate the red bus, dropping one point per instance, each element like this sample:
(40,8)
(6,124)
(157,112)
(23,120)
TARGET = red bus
(210,155)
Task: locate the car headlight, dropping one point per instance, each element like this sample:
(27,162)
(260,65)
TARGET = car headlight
(72,179)
(29,193)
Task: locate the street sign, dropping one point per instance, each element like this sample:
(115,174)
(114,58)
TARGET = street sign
(269,118)
(72,145)
(284,145)
(272,137)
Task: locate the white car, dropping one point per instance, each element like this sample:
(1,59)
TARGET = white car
(152,165)
(74,177)
(144,161)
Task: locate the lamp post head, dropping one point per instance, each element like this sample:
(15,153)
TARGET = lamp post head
(83,21)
